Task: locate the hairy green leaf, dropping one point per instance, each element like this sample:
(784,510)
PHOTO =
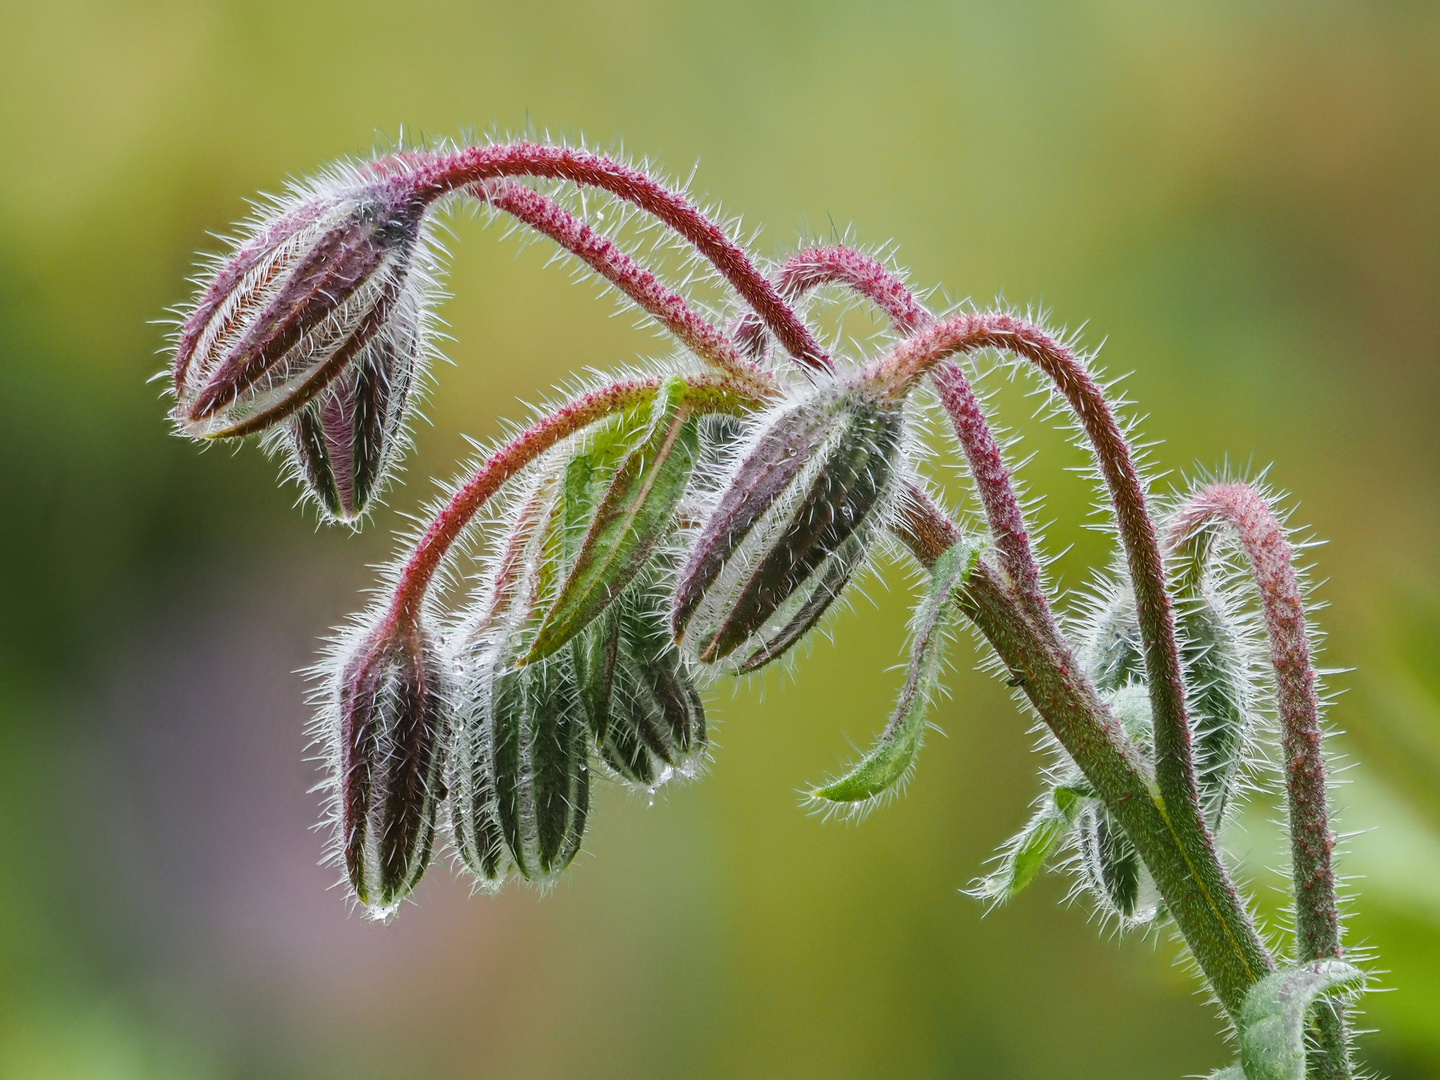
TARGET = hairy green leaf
(1272,1020)
(629,522)
(894,752)
(1025,856)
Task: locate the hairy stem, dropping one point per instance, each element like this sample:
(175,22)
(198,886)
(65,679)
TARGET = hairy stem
(1272,566)
(1174,763)
(1196,890)
(812,267)
(708,394)
(444,173)
(995,486)
(663,304)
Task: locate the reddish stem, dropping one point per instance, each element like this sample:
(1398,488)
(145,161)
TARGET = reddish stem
(1271,560)
(869,277)
(501,466)
(994,484)
(662,303)
(440,174)
(1312,844)
(816,266)
(1174,765)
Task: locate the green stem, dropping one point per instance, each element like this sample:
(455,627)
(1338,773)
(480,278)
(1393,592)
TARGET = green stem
(1195,887)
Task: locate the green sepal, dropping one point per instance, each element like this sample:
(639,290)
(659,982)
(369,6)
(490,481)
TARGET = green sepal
(1272,1020)
(894,752)
(630,521)
(595,652)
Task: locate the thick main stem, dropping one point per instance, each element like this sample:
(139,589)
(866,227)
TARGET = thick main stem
(444,173)
(1312,843)
(1196,890)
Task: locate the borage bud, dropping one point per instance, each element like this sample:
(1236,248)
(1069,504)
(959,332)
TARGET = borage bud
(298,302)
(521,766)
(1113,871)
(794,522)
(391,702)
(344,441)
(520,759)
(1109,862)
(639,697)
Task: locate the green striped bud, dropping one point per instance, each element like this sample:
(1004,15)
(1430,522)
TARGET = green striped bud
(639,696)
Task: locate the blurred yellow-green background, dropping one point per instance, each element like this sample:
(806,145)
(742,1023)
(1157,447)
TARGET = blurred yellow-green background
(1240,199)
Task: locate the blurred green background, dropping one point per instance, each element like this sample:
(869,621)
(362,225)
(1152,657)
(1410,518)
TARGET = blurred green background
(1241,199)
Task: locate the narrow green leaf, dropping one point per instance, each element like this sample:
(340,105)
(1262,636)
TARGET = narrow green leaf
(894,752)
(630,521)
(1272,1020)
(1026,855)
(1234,1072)
(578,490)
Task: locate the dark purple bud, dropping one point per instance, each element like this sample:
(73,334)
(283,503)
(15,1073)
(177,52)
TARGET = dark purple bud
(347,438)
(296,303)
(795,520)
(391,703)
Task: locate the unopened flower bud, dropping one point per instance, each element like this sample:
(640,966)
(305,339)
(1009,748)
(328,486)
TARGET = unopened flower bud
(794,521)
(1112,869)
(296,303)
(1111,650)
(392,702)
(345,440)
(639,697)
(521,766)
(520,760)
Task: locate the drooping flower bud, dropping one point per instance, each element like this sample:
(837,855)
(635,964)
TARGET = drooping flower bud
(297,302)
(1111,650)
(390,702)
(345,440)
(1109,863)
(520,759)
(639,697)
(793,523)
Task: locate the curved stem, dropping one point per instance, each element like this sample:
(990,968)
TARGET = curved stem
(499,467)
(1312,844)
(812,267)
(662,303)
(436,175)
(1174,764)
(995,485)
(1196,890)
(705,394)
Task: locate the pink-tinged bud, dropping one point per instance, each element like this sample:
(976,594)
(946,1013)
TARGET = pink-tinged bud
(297,302)
(391,703)
(794,521)
(345,441)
